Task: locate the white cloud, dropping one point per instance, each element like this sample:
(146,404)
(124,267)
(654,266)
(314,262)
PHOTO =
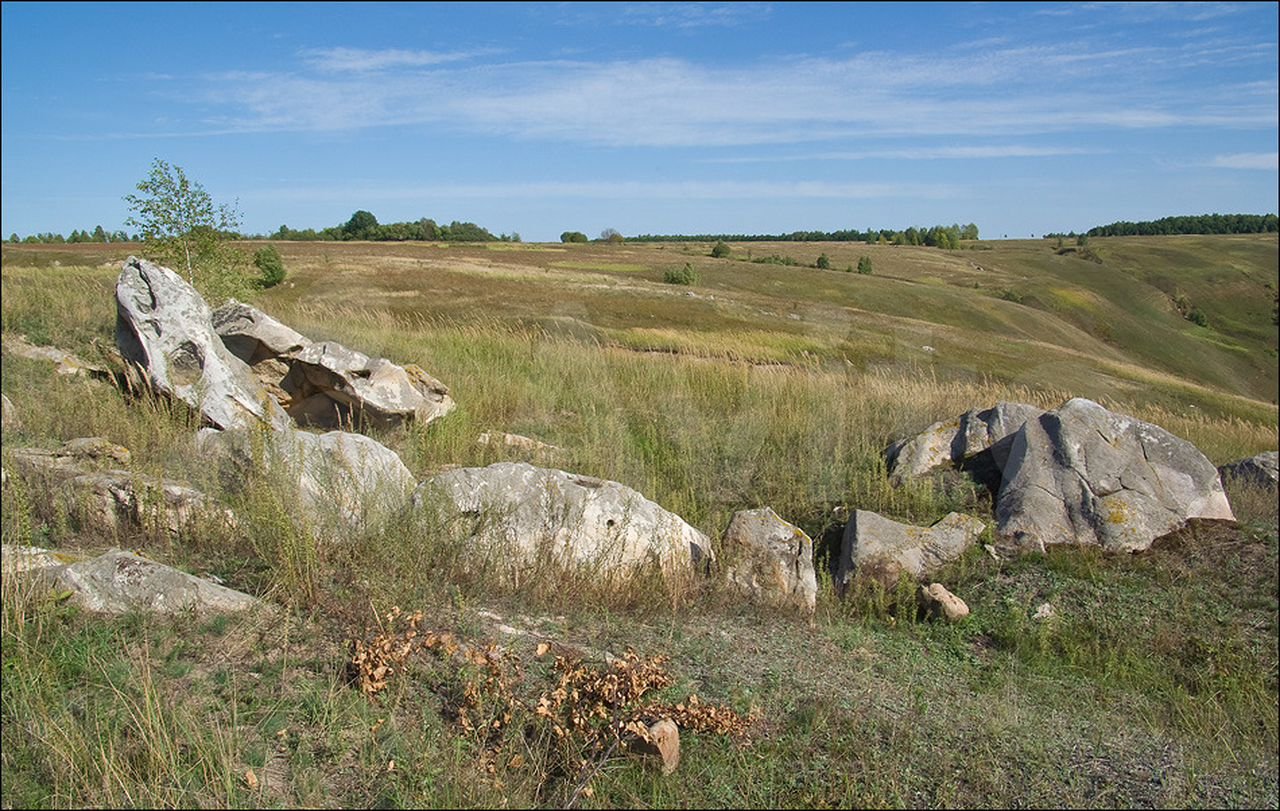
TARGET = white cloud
(1247,160)
(359,60)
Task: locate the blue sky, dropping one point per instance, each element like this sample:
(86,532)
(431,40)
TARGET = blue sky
(646,118)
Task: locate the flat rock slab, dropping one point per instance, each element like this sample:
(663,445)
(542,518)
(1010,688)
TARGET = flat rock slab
(118,582)
(775,560)
(523,510)
(1084,475)
(880,547)
(164,329)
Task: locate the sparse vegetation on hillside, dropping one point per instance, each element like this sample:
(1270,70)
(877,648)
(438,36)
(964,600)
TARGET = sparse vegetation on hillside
(1153,683)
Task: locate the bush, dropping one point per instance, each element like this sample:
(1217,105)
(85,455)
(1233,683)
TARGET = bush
(823,263)
(721,250)
(573,236)
(685,275)
(864,265)
(267,259)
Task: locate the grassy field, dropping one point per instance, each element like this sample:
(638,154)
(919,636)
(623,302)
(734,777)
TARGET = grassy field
(765,383)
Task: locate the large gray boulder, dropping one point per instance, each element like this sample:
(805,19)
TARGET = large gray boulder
(325,384)
(118,582)
(980,432)
(522,511)
(774,560)
(1084,475)
(882,548)
(1262,470)
(164,330)
(337,474)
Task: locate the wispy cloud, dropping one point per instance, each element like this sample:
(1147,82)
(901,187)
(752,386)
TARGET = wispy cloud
(622,190)
(1247,160)
(359,60)
(921,153)
(1001,92)
(664,15)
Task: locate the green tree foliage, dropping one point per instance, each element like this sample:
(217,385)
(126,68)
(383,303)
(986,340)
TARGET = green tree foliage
(573,237)
(362,225)
(1202,224)
(864,265)
(611,236)
(267,260)
(720,250)
(180,222)
(685,275)
(823,263)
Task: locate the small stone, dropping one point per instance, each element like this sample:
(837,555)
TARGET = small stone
(938,601)
(663,742)
(1044,611)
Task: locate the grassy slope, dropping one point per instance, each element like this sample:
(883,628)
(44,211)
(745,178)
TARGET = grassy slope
(1156,685)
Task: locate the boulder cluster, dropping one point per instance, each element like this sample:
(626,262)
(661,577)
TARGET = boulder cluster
(1079,474)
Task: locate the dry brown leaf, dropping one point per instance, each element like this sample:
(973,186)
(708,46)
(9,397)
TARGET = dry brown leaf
(251,779)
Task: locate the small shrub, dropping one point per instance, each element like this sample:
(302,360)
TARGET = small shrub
(721,250)
(685,275)
(823,263)
(267,259)
(1011,295)
(864,265)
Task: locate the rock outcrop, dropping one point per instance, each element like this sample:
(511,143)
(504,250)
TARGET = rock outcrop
(879,547)
(1081,474)
(979,438)
(107,499)
(522,511)
(324,384)
(774,562)
(165,331)
(1262,470)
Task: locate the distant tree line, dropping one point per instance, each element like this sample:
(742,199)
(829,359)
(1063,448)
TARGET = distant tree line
(98,234)
(1202,224)
(364,226)
(940,236)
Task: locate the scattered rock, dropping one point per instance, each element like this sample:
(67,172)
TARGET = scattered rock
(937,601)
(9,421)
(1043,612)
(775,563)
(524,510)
(64,362)
(164,330)
(1084,475)
(516,441)
(978,439)
(118,582)
(16,559)
(1262,470)
(662,740)
(876,546)
(74,457)
(115,500)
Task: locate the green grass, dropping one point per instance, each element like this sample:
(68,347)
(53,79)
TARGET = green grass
(1154,684)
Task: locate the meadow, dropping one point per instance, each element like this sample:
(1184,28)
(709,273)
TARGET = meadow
(768,382)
